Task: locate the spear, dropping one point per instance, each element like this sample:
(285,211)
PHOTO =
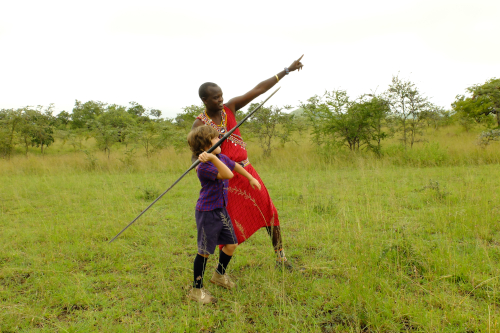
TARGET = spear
(197,162)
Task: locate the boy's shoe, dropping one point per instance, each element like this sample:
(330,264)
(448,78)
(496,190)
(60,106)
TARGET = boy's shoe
(202,296)
(222,280)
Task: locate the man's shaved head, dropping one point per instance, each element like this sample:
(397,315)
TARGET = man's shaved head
(203,91)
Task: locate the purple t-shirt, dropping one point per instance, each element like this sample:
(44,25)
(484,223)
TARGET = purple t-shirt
(213,193)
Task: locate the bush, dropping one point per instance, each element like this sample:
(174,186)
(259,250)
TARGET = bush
(486,137)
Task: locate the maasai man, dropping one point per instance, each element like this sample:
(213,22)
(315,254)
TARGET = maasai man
(248,208)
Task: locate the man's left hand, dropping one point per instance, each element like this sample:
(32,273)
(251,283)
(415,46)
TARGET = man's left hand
(296,65)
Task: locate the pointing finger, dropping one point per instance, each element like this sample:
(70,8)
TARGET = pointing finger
(300,57)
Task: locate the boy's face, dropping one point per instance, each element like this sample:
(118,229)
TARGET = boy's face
(217,150)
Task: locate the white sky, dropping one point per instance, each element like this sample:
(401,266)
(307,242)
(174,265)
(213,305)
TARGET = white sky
(157,53)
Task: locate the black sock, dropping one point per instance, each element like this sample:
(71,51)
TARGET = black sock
(199,269)
(224,260)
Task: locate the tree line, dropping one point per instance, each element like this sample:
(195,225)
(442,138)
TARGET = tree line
(333,119)
(110,125)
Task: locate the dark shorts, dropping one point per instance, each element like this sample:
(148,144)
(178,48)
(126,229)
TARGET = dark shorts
(214,228)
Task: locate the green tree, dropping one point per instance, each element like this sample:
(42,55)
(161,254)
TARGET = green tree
(105,135)
(375,111)
(179,127)
(63,119)
(324,115)
(269,124)
(27,127)
(336,120)
(436,116)
(433,116)
(351,127)
(464,120)
(481,102)
(149,135)
(76,136)
(419,106)
(406,104)
(109,127)
(118,117)
(10,120)
(84,113)
(155,113)
(170,133)
(43,127)
(136,109)
(186,118)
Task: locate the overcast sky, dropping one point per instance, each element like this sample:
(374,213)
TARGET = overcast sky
(157,53)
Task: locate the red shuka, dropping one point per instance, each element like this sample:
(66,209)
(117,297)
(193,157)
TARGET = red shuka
(249,209)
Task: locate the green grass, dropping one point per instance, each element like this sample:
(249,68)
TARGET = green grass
(385,247)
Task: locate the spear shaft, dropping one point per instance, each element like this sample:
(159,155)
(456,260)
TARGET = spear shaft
(197,162)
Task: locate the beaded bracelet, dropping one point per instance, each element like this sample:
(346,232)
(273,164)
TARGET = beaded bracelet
(287,71)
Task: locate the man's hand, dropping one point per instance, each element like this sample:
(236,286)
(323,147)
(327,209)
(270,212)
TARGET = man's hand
(296,65)
(254,183)
(237,103)
(206,157)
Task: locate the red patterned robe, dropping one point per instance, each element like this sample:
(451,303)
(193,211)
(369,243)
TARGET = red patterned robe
(250,209)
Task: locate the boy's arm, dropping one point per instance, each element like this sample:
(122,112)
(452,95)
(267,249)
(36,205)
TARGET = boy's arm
(241,170)
(224,171)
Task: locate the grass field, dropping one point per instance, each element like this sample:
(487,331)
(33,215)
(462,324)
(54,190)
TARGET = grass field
(407,243)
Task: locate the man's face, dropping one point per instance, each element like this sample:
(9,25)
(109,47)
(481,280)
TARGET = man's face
(214,101)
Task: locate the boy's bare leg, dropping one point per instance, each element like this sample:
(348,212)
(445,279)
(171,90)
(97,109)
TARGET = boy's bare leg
(225,255)
(229,249)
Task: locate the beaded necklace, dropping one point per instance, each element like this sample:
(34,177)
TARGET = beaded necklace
(223,123)
(234,138)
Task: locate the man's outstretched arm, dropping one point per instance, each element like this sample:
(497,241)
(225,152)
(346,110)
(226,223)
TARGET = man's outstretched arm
(239,102)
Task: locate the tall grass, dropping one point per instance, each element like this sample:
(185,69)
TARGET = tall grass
(94,161)
(391,244)
(449,146)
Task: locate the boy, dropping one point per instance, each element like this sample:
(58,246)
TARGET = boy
(212,220)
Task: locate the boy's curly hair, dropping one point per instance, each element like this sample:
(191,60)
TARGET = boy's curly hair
(200,138)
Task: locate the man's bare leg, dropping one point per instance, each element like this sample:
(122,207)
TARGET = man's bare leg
(275,233)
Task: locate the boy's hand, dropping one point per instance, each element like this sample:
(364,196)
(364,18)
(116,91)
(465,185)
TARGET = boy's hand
(206,157)
(254,182)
